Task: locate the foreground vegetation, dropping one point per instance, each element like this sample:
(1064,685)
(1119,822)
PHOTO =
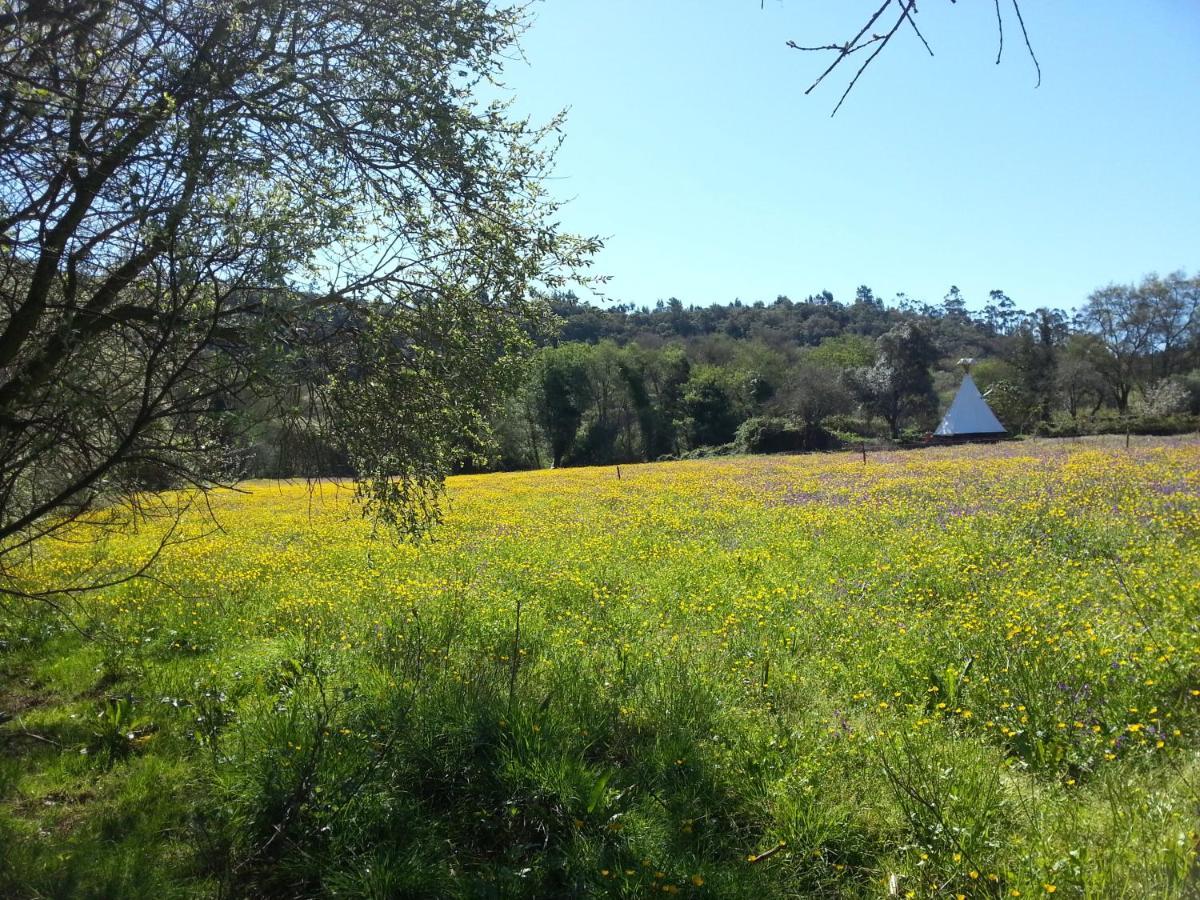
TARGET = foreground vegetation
(957,672)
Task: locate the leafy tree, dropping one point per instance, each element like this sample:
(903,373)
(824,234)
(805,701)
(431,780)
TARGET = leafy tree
(1013,405)
(1150,330)
(1191,383)
(845,351)
(561,374)
(954,305)
(899,385)
(306,205)
(520,439)
(769,434)
(1001,314)
(1035,358)
(864,295)
(1122,317)
(666,377)
(1077,378)
(632,368)
(817,393)
(708,404)
(610,428)
(1166,397)
(822,298)
(1175,317)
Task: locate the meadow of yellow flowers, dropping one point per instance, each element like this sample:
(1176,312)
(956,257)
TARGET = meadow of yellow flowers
(958,672)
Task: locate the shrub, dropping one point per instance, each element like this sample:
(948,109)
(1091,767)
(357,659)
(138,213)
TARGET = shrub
(912,435)
(848,427)
(706,452)
(1163,425)
(1060,429)
(778,435)
(1142,425)
(763,434)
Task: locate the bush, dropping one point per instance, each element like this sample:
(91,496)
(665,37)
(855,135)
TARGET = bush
(706,452)
(1191,382)
(1142,425)
(1163,425)
(913,435)
(1060,429)
(763,434)
(767,434)
(847,427)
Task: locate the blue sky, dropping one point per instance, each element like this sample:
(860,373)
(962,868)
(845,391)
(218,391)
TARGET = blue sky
(693,150)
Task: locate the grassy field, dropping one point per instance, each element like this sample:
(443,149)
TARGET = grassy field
(957,672)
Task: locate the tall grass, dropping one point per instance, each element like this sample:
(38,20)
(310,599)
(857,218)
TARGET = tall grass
(969,671)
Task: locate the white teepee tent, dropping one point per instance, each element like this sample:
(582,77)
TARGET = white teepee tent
(969,415)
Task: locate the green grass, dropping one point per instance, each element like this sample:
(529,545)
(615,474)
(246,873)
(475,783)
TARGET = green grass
(966,671)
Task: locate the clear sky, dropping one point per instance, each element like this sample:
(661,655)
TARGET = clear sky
(693,150)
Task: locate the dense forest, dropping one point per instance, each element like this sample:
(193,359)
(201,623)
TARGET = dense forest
(623,384)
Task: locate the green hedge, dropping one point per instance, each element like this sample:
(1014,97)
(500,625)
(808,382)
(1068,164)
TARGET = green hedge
(1143,425)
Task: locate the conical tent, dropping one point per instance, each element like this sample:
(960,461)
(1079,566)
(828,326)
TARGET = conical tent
(969,414)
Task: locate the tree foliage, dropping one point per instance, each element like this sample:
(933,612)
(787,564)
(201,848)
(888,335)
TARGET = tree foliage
(675,379)
(305,206)
(1145,330)
(899,385)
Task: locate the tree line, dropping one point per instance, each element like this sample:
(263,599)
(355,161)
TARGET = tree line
(627,384)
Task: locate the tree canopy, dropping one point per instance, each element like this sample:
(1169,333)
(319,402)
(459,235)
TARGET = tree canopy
(311,207)
(623,384)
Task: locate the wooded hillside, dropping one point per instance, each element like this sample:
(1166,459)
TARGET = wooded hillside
(623,384)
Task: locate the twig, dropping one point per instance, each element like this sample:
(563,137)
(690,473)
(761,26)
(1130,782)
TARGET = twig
(913,22)
(38,737)
(871,58)
(850,46)
(767,854)
(24,732)
(908,13)
(999,28)
(1028,46)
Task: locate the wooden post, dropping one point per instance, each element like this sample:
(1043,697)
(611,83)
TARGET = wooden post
(864,452)
(1127,431)
(618,473)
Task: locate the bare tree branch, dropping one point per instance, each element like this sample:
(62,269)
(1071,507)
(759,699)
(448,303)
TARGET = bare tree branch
(1000,31)
(907,12)
(1028,46)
